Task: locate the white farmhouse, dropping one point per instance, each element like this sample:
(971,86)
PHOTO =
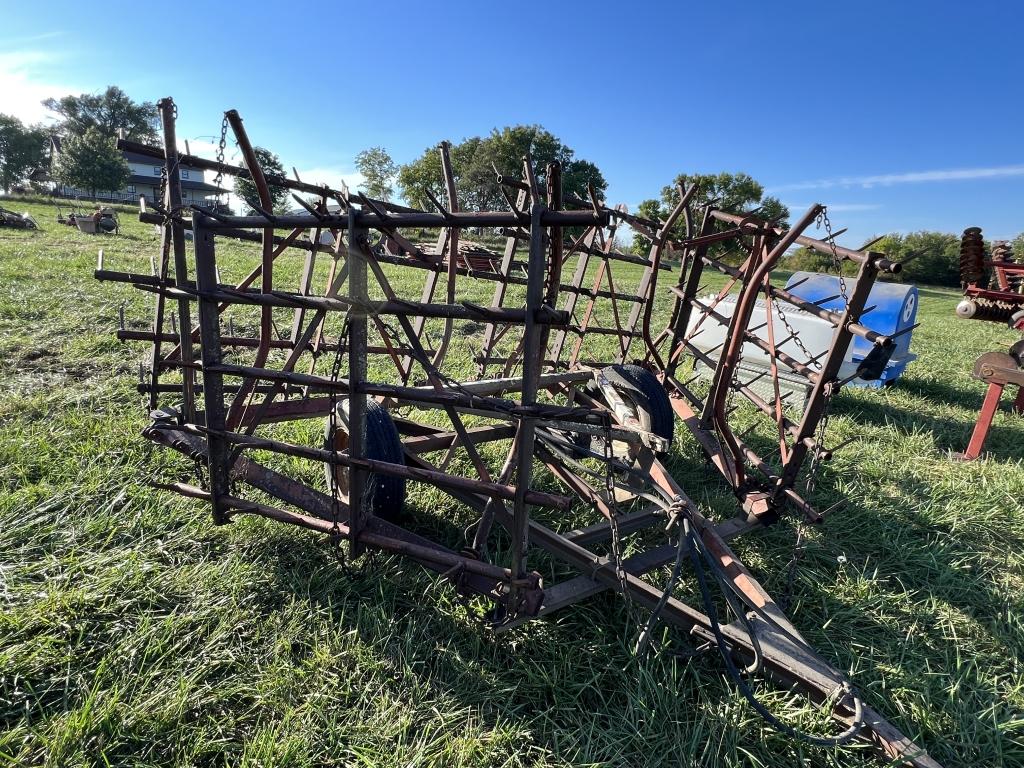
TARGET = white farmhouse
(145,182)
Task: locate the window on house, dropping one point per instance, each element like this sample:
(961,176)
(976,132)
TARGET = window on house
(184,174)
(131,189)
(156,170)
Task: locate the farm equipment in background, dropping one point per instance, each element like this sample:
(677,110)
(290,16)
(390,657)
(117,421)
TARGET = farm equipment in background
(993,287)
(16,220)
(891,312)
(102,221)
(584,358)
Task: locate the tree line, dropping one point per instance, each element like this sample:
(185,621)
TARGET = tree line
(88,125)
(929,258)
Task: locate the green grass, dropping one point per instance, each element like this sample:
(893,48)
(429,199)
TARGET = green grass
(135,632)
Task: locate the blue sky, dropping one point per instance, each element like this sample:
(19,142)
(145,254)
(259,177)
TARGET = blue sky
(899,115)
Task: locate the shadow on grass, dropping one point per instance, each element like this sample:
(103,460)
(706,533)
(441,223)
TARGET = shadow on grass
(582,653)
(1005,441)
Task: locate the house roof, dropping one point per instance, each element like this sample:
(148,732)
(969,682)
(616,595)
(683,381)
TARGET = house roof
(135,157)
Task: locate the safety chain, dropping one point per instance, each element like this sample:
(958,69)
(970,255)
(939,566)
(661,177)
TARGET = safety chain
(613,518)
(809,485)
(200,471)
(220,151)
(837,263)
(163,185)
(794,336)
(812,472)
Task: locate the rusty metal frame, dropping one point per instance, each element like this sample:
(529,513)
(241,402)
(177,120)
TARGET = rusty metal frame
(546,409)
(993,288)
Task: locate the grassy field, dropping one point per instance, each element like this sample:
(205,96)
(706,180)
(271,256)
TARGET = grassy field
(134,632)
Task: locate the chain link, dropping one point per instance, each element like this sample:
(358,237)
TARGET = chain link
(810,483)
(613,518)
(220,151)
(837,263)
(794,336)
(163,185)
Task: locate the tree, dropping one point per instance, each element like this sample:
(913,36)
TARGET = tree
(474,160)
(107,112)
(22,149)
(648,209)
(732,192)
(91,162)
(930,258)
(1018,247)
(245,189)
(378,170)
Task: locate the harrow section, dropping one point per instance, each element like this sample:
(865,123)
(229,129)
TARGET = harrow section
(993,287)
(400,371)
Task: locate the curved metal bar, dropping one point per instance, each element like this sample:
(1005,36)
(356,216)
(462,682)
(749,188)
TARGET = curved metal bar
(657,249)
(453,251)
(730,356)
(252,163)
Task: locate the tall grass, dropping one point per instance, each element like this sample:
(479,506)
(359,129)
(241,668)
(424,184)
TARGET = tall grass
(134,632)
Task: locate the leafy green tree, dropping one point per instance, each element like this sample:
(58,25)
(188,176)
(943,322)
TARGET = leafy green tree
(929,258)
(90,161)
(648,209)
(378,171)
(1018,247)
(22,148)
(733,192)
(474,160)
(107,112)
(424,175)
(246,190)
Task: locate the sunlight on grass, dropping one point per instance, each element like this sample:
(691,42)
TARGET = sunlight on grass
(133,631)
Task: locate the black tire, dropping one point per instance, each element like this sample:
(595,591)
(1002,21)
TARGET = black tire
(1017,353)
(644,389)
(382,443)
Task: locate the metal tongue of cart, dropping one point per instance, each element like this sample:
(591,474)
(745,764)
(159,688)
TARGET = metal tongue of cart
(582,370)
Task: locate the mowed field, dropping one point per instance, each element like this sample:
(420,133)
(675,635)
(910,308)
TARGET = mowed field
(134,632)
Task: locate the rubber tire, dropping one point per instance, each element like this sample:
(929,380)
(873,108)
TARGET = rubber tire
(382,443)
(648,393)
(1017,353)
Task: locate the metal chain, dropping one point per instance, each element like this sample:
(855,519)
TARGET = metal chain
(220,151)
(837,263)
(809,485)
(163,184)
(613,518)
(794,336)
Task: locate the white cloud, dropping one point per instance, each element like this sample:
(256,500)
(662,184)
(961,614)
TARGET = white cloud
(914,177)
(22,89)
(336,178)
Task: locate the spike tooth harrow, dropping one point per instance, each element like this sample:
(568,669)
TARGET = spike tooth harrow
(567,319)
